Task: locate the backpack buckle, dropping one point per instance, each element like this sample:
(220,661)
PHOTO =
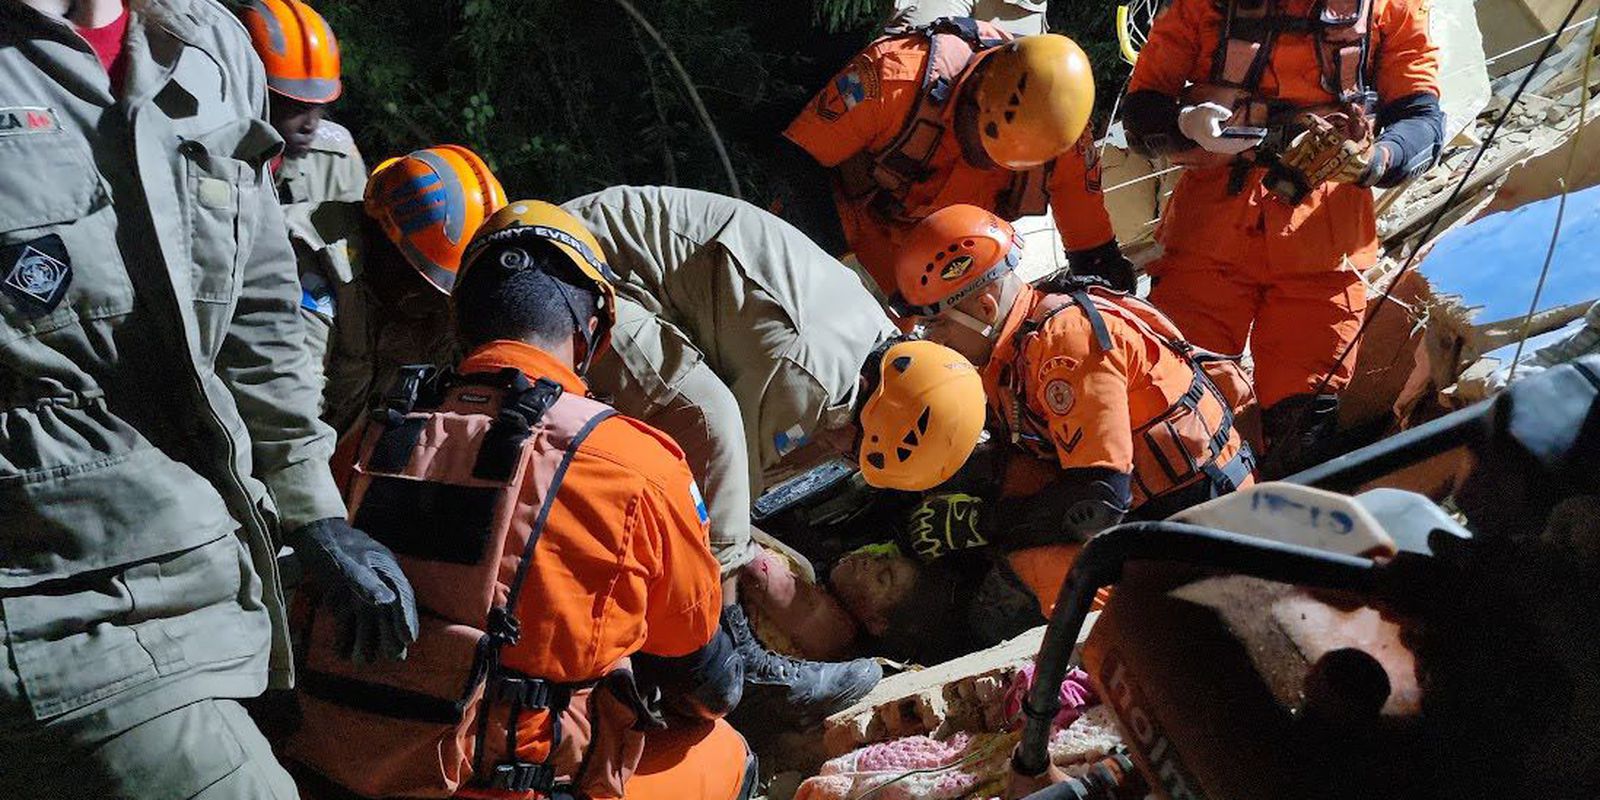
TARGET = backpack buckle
(532,693)
(522,776)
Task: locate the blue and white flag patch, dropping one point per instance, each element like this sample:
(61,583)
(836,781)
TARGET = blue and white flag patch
(790,440)
(699,503)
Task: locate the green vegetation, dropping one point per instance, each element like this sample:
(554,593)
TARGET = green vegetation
(564,98)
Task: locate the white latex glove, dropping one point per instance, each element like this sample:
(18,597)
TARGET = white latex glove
(1203,123)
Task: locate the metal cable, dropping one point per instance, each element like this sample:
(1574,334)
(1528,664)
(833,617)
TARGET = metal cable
(1561,207)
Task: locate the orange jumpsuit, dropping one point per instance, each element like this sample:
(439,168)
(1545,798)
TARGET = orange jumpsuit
(863,109)
(623,567)
(1067,401)
(1235,261)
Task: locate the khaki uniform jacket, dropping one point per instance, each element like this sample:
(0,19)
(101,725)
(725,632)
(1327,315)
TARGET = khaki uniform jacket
(156,406)
(782,324)
(321,193)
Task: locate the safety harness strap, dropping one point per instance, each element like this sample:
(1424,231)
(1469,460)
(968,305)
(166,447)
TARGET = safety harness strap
(889,173)
(504,629)
(381,699)
(400,432)
(1200,386)
(501,449)
(903,162)
(1250,32)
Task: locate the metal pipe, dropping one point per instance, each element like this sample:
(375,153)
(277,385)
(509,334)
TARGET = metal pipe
(1100,564)
(1469,426)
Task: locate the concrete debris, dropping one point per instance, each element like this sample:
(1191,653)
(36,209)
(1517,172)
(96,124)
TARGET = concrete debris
(965,765)
(959,695)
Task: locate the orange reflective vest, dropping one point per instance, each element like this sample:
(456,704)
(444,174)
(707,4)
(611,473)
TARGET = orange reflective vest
(460,480)
(884,177)
(1249,33)
(1192,436)
(886,123)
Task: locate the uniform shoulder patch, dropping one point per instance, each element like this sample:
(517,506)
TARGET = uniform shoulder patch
(1058,396)
(858,82)
(699,502)
(786,442)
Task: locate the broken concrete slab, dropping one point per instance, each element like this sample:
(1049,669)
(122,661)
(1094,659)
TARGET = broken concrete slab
(962,694)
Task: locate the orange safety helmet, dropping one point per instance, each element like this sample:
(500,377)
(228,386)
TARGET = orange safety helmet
(1033,98)
(298,49)
(950,255)
(429,203)
(923,419)
(501,238)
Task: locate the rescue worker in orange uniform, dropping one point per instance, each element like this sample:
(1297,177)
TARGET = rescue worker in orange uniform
(1284,112)
(1095,382)
(572,644)
(389,304)
(955,112)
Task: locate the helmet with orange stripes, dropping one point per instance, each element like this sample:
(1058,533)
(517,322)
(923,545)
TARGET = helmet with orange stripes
(297,47)
(923,418)
(430,203)
(952,254)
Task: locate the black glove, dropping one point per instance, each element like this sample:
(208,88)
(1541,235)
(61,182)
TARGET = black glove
(1105,262)
(942,524)
(362,586)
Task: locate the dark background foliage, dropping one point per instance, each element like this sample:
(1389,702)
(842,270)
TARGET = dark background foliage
(569,96)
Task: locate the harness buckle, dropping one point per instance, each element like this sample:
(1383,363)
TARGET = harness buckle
(522,776)
(503,626)
(532,693)
(401,396)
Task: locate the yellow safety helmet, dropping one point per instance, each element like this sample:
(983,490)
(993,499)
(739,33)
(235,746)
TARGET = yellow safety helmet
(1033,99)
(500,240)
(923,419)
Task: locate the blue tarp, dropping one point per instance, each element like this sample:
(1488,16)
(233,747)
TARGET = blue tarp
(1495,261)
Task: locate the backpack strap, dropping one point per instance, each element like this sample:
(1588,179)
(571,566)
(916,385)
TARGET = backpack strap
(519,691)
(903,162)
(414,384)
(523,407)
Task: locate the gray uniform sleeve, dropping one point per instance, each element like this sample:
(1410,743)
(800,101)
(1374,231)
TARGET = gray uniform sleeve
(266,366)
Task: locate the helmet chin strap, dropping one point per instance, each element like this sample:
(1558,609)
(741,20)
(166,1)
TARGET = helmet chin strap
(580,324)
(970,322)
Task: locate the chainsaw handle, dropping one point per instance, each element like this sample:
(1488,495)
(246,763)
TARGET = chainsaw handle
(1100,564)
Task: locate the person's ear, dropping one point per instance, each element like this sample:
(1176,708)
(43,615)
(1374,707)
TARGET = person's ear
(990,303)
